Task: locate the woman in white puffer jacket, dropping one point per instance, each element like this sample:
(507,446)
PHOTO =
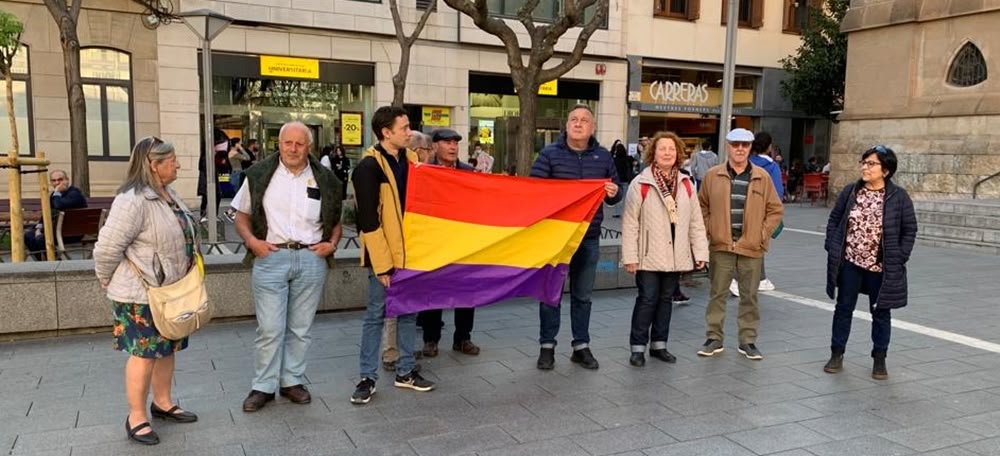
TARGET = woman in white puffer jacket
(663,234)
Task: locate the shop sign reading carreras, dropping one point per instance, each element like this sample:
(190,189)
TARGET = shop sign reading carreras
(689,94)
(669,92)
(289,67)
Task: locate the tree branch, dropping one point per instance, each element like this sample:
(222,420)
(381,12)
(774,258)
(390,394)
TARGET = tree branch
(57,8)
(74,11)
(524,15)
(397,22)
(581,43)
(480,14)
(421,23)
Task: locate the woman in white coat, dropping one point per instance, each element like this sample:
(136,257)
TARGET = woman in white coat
(663,234)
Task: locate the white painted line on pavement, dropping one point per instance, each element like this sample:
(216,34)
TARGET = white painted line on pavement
(795,230)
(900,324)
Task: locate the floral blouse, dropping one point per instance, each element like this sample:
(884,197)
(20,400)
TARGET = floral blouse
(864,229)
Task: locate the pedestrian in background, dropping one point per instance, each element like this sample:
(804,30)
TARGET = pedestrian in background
(663,234)
(869,238)
(702,161)
(624,164)
(759,157)
(150,227)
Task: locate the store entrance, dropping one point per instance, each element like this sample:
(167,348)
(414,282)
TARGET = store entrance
(547,131)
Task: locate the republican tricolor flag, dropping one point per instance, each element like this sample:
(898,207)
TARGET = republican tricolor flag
(474,239)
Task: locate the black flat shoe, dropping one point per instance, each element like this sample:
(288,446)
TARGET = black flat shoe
(637,359)
(663,355)
(146,439)
(175,414)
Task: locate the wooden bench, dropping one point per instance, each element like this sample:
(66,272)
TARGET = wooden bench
(31,208)
(80,225)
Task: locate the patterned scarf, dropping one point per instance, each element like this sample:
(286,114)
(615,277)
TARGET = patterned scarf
(666,182)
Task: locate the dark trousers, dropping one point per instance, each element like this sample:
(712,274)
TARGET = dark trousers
(432,322)
(653,308)
(218,199)
(850,282)
(582,272)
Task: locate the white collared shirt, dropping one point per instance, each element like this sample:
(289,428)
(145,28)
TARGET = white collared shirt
(292,216)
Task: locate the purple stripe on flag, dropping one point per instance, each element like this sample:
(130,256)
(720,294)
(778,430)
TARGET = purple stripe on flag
(471,285)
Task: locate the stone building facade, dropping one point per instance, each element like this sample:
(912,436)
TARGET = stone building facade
(458,76)
(923,77)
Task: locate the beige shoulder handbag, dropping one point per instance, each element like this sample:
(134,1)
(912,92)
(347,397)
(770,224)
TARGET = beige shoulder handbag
(180,308)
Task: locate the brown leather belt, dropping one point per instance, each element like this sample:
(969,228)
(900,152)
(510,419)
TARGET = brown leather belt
(293,246)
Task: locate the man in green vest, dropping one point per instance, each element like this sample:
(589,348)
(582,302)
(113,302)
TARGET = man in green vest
(288,214)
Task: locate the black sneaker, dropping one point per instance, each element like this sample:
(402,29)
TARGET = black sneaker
(584,358)
(712,347)
(680,299)
(363,392)
(414,381)
(750,351)
(547,358)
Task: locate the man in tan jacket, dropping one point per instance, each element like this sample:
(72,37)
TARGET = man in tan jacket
(741,209)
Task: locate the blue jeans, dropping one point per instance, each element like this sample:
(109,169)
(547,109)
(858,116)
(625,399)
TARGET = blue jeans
(582,270)
(850,282)
(371,333)
(287,287)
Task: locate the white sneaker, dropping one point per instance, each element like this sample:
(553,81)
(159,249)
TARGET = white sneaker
(766,285)
(734,288)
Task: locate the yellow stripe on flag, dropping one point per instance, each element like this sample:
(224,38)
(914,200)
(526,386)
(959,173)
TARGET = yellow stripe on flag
(547,242)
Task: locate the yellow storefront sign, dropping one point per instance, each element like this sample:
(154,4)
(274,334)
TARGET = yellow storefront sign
(436,116)
(549,88)
(350,129)
(289,67)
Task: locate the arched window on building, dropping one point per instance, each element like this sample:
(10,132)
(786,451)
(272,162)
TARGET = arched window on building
(968,67)
(22,106)
(107,87)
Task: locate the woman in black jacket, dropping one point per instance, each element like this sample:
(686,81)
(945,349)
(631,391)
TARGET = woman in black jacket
(869,238)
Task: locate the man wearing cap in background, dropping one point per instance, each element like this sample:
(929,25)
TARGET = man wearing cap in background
(446,154)
(741,210)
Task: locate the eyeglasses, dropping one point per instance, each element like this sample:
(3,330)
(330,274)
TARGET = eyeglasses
(739,144)
(870,163)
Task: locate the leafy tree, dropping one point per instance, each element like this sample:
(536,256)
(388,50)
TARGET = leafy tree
(818,69)
(528,71)
(10,42)
(405,46)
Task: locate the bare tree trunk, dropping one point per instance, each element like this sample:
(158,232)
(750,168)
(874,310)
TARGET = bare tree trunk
(14,143)
(66,16)
(405,46)
(527,97)
(399,80)
(77,106)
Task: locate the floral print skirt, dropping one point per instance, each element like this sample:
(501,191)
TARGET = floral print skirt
(135,334)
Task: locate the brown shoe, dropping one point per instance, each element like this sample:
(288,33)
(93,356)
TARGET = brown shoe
(430,349)
(466,347)
(256,400)
(297,394)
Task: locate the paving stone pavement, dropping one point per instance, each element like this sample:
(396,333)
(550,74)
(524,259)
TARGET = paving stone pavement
(64,396)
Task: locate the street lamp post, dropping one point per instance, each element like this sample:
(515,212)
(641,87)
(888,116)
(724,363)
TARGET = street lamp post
(207,25)
(728,75)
